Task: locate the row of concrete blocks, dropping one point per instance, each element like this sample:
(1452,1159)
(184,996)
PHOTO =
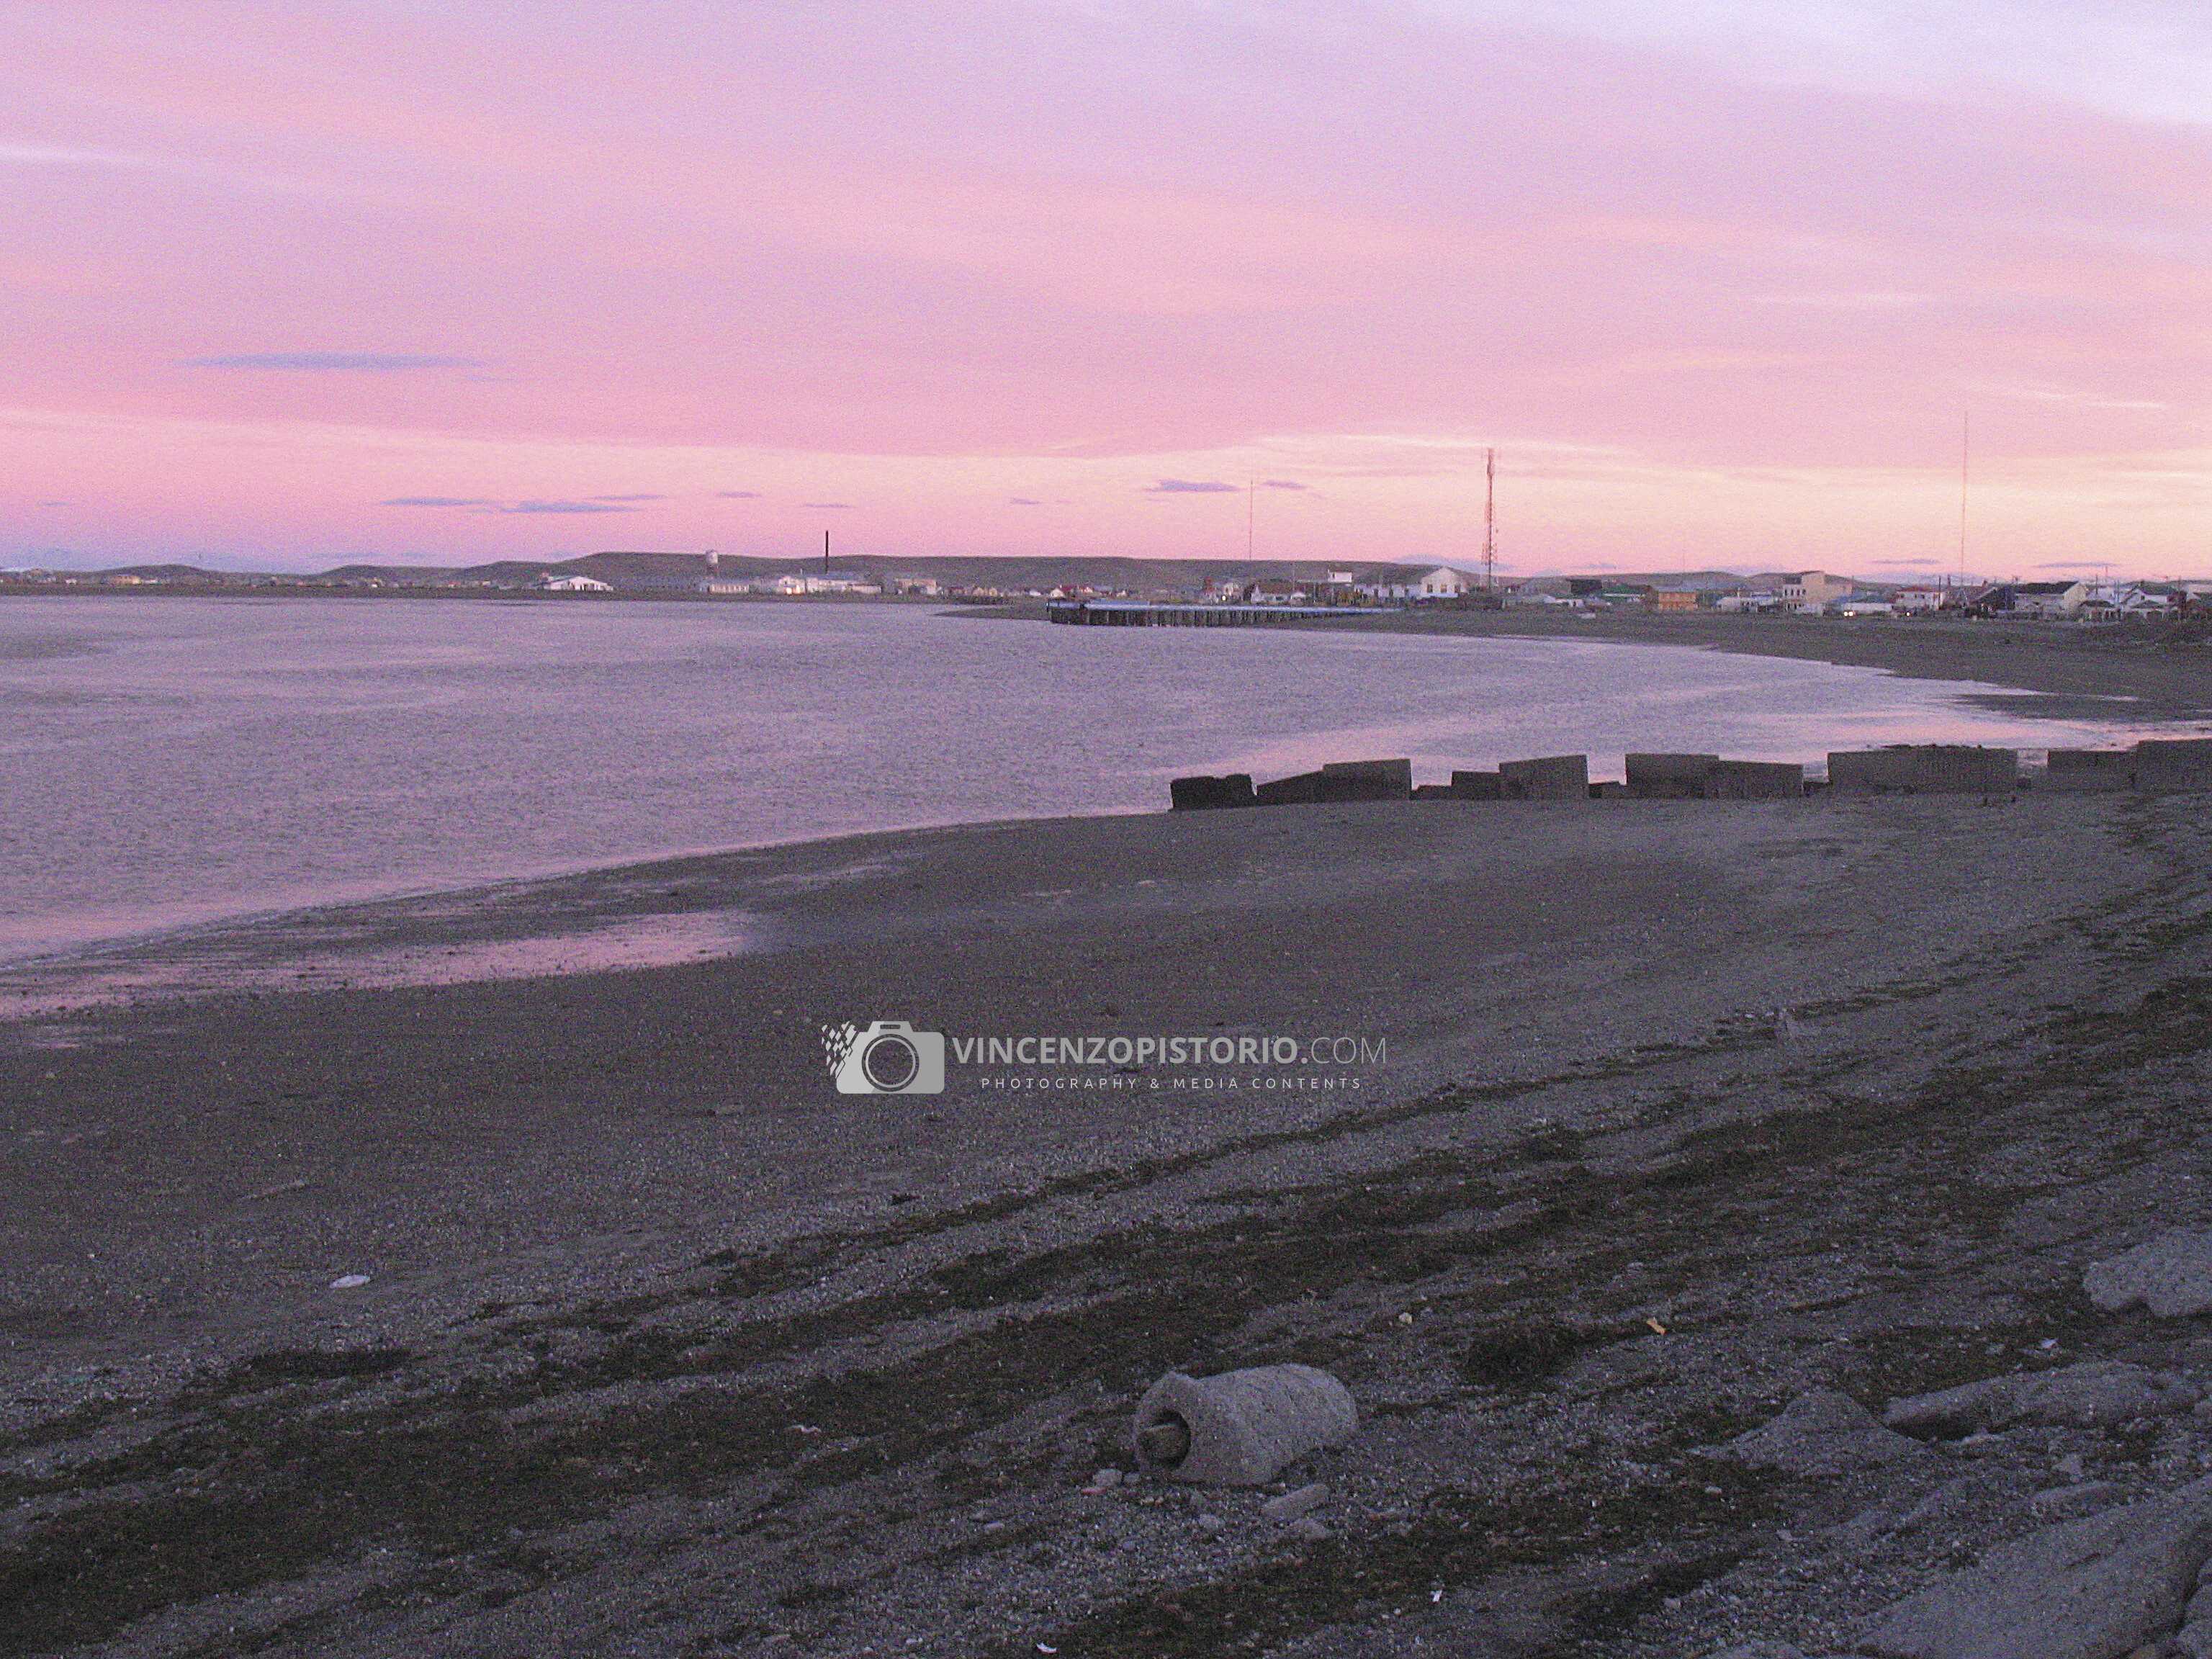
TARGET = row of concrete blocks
(2160,764)
(1548,777)
(2157,765)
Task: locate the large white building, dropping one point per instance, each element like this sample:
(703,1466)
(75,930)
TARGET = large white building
(1441,583)
(1813,590)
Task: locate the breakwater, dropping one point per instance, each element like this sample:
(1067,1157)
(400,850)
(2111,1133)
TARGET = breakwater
(1146,613)
(2156,765)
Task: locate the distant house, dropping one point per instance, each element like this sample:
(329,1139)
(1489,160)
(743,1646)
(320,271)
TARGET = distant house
(2120,600)
(1739,603)
(1441,583)
(1272,590)
(2048,598)
(1913,601)
(574,584)
(1865,605)
(1813,591)
(1671,599)
(1223,590)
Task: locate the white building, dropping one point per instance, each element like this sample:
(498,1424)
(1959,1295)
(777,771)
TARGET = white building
(575,585)
(1441,583)
(1813,591)
(2049,598)
(1912,601)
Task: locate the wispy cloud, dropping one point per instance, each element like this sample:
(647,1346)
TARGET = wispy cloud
(66,155)
(738,495)
(53,503)
(1192,486)
(638,496)
(1022,501)
(437,501)
(1283,483)
(829,507)
(567,507)
(333,363)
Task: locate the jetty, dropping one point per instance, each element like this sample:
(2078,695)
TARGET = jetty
(1151,613)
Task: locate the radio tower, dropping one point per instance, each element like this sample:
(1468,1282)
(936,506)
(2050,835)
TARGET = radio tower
(1490,521)
(1965,450)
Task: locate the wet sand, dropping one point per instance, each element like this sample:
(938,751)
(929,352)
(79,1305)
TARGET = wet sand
(665,1347)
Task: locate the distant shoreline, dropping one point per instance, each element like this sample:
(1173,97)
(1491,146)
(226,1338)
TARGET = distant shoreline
(2074,673)
(2066,673)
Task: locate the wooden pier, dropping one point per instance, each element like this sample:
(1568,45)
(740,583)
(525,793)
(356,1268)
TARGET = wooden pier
(1146,613)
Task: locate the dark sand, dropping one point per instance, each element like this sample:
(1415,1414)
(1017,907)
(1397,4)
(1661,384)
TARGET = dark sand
(2079,672)
(667,1348)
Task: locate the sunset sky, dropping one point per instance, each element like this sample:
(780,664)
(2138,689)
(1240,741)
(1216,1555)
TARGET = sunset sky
(286,283)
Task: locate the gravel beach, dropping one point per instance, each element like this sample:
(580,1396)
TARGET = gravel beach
(360,1297)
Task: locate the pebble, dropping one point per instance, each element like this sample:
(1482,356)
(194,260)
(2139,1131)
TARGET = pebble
(1310,1529)
(1293,1504)
(349,1281)
(2067,1503)
(1107,1480)
(1211,1523)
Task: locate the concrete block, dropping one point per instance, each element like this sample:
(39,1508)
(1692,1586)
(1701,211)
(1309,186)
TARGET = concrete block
(1478,785)
(1370,780)
(2166,763)
(2091,769)
(1240,1428)
(1201,794)
(1433,792)
(1931,768)
(1551,777)
(1669,777)
(1289,792)
(1730,779)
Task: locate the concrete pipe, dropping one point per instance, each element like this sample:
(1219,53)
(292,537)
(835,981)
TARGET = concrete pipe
(1241,1428)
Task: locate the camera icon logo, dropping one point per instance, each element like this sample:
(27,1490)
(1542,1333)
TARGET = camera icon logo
(884,1057)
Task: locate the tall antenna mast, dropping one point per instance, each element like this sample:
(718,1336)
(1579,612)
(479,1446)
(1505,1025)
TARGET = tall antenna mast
(825,552)
(1490,521)
(1965,450)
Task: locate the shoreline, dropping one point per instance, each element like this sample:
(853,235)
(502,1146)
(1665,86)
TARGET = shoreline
(2073,675)
(614,1237)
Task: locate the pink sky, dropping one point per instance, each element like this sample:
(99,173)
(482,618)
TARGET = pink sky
(1717,278)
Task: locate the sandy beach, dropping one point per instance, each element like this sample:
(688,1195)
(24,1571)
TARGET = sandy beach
(665,1347)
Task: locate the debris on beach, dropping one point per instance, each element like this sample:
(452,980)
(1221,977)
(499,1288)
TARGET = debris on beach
(1240,1428)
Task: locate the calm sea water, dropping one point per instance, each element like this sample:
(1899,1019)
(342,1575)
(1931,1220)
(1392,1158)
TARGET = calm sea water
(171,760)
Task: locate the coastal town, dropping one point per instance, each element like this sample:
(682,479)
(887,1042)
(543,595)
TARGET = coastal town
(1135,582)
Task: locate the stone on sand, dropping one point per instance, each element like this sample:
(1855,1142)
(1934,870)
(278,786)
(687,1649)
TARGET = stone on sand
(2096,1588)
(2170,1275)
(2095,1394)
(1821,1436)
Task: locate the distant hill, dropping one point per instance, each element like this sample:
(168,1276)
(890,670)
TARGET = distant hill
(644,571)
